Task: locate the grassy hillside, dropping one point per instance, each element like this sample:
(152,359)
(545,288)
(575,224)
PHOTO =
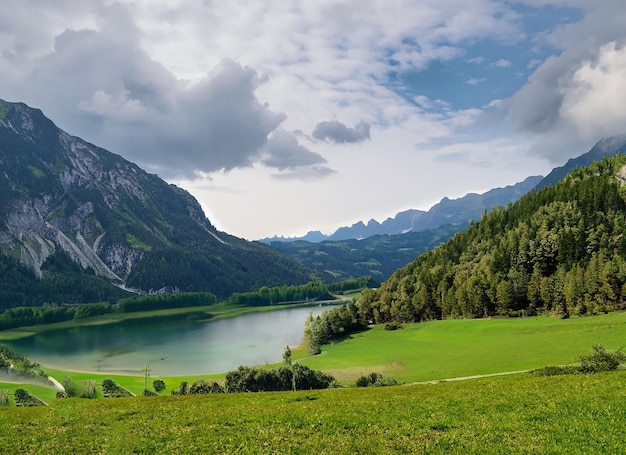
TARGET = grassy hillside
(516,414)
(465,347)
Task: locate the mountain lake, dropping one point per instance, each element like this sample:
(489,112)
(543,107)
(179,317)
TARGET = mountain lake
(171,348)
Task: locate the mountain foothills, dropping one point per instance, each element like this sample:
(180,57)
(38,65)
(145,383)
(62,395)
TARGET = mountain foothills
(377,256)
(81,224)
(559,250)
(413,231)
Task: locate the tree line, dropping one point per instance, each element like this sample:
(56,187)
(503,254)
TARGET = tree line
(560,250)
(48,314)
(314,290)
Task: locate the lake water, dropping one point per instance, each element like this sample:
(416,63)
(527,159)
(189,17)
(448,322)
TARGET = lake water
(171,348)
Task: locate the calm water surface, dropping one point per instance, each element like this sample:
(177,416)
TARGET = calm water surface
(171,347)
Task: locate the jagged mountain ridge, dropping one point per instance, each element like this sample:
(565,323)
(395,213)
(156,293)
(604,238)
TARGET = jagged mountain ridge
(447,212)
(62,195)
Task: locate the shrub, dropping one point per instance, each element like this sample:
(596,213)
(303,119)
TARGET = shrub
(375,380)
(158,385)
(204,387)
(70,387)
(600,360)
(296,376)
(90,389)
(392,326)
(183,389)
(24,398)
(4,397)
(110,388)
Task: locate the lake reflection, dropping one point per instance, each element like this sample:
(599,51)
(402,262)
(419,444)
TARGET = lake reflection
(171,348)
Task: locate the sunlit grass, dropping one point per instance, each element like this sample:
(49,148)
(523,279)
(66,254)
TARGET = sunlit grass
(513,414)
(453,348)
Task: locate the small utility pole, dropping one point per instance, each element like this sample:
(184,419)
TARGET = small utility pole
(146,371)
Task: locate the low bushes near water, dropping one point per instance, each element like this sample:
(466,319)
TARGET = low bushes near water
(18,364)
(252,379)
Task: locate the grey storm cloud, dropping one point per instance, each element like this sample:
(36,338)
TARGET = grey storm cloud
(339,133)
(101,85)
(285,152)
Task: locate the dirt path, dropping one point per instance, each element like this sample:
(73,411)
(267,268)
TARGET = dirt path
(465,378)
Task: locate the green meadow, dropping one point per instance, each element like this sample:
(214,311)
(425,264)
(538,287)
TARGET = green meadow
(466,347)
(520,413)
(516,413)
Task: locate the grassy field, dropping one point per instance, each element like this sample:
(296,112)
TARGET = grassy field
(514,414)
(453,348)
(428,351)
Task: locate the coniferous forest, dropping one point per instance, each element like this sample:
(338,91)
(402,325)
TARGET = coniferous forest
(560,250)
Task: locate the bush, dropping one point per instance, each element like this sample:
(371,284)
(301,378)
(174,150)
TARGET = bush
(110,388)
(392,326)
(4,397)
(375,380)
(296,376)
(158,385)
(204,387)
(70,387)
(600,360)
(24,398)
(90,389)
(183,389)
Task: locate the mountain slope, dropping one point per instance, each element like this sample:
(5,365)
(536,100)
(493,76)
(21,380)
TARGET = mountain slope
(64,199)
(559,250)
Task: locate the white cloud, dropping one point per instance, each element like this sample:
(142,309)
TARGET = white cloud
(215,90)
(502,63)
(593,101)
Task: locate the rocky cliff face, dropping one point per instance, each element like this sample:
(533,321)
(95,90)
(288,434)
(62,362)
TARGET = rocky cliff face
(59,193)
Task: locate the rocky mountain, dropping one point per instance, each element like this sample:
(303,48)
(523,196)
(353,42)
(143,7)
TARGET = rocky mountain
(447,212)
(71,209)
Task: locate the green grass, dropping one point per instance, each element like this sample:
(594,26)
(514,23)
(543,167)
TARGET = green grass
(453,348)
(513,414)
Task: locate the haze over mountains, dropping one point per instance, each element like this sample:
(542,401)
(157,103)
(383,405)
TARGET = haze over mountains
(461,210)
(447,211)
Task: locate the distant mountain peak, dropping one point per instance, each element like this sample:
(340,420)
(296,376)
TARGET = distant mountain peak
(447,211)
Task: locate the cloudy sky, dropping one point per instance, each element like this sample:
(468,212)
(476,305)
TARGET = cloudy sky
(288,116)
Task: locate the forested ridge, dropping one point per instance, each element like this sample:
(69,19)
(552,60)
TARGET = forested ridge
(559,250)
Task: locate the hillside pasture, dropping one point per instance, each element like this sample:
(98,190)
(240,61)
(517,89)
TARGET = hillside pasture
(454,348)
(514,414)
